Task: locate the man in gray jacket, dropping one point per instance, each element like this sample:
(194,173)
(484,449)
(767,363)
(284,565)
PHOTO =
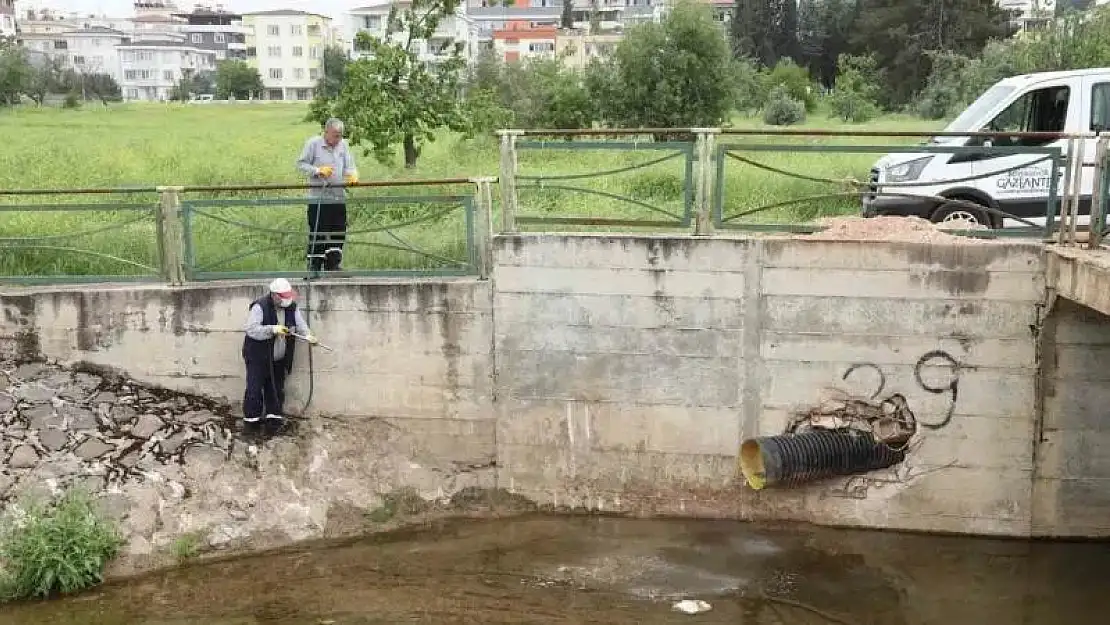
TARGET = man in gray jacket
(327,161)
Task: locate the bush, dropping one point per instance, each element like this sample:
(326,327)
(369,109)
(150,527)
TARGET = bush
(59,547)
(794,79)
(72,101)
(782,109)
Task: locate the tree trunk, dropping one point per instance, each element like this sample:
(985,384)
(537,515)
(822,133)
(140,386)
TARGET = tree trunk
(411,152)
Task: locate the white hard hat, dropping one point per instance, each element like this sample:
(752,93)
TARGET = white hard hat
(282,288)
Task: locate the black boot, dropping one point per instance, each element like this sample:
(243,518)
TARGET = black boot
(334,261)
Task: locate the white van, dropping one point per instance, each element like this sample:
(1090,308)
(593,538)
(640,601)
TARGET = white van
(1067,102)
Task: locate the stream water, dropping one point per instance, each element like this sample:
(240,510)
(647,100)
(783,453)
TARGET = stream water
(614,571)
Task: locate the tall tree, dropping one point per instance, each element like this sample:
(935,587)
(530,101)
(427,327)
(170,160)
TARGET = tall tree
(393,95)
(825,29)
(236,79)
(901,33)
(674,74)
(566,18)
(765,30)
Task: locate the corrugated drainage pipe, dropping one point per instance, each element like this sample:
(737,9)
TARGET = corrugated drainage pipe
(791,459)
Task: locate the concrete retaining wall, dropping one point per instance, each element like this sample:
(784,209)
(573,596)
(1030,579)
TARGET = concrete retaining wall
(630,369)
(417,354)
(623,372)
(1072,486)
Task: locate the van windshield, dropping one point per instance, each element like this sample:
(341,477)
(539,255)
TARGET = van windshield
(973,116)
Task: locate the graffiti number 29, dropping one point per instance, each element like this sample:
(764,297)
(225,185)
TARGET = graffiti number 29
(935,358)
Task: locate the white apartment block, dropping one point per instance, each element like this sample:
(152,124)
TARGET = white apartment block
(372,18)
(287,49)
(86,51)
(7,19)
(151,69)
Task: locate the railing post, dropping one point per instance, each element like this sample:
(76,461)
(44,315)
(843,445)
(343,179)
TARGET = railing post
(483,225)
(1098,194)
(706,147)
(508,179)
(171,235)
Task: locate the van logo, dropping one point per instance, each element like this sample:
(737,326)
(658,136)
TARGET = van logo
(1038,178)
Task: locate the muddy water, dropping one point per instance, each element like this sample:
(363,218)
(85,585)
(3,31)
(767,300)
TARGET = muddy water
(606,570)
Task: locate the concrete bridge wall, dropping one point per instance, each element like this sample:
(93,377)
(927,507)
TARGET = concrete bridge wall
(623,372)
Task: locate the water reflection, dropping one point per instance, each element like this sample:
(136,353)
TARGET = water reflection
(604,570)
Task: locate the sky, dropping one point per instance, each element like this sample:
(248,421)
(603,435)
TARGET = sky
(123,8)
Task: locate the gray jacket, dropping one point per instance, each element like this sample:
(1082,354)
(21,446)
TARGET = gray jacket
(317,153)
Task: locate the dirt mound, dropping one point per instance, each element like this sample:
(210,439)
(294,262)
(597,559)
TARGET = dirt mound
(888,228)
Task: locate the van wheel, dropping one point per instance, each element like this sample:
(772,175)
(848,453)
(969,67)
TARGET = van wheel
(962,212)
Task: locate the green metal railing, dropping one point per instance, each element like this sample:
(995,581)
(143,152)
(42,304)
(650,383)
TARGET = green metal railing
(724,201)
(205,233)
(869,189)
(80,235)
(645,183)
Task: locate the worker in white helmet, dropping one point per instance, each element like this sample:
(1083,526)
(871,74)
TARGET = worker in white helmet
(269,355)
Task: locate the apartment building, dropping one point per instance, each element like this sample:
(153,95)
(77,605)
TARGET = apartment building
(150,69)
(287,49)
(457,29)
(577,48)
(92,50)
(7,19)
(213,28)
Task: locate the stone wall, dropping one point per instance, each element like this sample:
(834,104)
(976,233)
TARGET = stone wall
(631,368)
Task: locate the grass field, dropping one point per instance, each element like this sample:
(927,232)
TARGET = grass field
(194,145)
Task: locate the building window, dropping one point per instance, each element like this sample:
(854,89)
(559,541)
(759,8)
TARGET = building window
(314,74)
(78,60)
(273,31)
(132,94)
(542,46)
(296,30)
(275,73)
(274,51)
(219,38)
(60,45)
(197,38)
(371,22)
(303,94)
(298,51)
(168,75)
(314,30)
(298,73)
(314,52)
(221,54)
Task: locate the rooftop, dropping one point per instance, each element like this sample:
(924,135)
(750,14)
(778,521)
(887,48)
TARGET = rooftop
(285,13)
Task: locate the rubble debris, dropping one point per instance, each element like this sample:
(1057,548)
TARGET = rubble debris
(889,228)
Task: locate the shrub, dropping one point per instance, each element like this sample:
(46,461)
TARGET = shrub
(72,100)
(58,547)
(783,110)
(794,79)
(853,99)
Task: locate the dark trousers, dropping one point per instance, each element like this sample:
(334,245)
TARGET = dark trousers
(327,231)
(265,392)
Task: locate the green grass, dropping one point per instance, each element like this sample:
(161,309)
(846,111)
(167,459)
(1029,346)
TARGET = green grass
(57,547)
(173,144)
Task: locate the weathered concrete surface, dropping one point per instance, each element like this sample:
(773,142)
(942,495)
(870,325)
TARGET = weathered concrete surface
(1072,486)
(630,368)
(623,372)
(1080,275)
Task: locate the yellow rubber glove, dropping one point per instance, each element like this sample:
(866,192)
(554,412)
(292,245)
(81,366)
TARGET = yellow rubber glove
(351,177)
(311,338)
(280,330)
(325,172)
